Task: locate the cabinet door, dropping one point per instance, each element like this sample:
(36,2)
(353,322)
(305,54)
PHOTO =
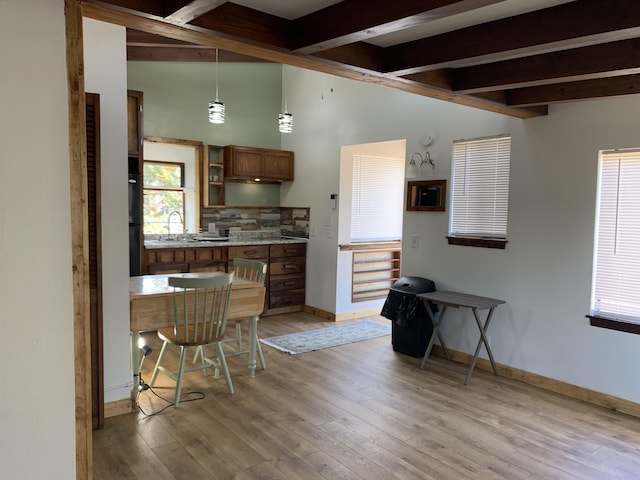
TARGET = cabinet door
(243,162)
(278,165)
(134,122)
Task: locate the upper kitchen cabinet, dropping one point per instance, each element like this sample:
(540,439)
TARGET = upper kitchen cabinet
(212,176)
(250,163)
(134,130)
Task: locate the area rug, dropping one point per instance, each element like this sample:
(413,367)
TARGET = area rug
(302,342)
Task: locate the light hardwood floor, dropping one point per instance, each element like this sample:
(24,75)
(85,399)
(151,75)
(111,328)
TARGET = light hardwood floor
(362,411)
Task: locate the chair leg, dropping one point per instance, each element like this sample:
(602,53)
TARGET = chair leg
(239,335)
(197,353)
(223,366)
(263,365)
(183,355)
(158,363)
(203,357)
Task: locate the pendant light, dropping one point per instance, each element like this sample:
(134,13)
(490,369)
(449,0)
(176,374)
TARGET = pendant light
(285,120)
(216,108)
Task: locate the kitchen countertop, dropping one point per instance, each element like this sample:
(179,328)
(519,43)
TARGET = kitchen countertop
(156,244)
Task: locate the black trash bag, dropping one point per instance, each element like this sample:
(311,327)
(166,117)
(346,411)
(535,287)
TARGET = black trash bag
(403,307)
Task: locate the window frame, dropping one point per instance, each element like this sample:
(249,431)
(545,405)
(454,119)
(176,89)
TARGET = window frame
(617,200)
(181,189)
(500,180)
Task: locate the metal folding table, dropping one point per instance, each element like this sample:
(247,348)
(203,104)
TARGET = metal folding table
(458,300)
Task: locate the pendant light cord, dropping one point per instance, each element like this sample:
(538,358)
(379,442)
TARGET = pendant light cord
(216,74)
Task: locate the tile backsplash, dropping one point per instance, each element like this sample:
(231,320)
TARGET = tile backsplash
(290,221)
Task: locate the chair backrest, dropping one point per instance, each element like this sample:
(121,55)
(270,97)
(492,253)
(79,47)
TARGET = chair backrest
(251,270)
(200,307)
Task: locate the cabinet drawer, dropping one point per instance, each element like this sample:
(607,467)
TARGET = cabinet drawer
(279,283)
(203,254)
(288,250)
(289,265)
(286,299)
(249,251)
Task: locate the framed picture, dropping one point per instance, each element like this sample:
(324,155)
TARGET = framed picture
(427,195)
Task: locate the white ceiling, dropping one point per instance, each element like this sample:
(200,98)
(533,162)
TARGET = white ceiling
(291,9)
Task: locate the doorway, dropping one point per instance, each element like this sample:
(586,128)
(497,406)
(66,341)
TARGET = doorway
(370,213)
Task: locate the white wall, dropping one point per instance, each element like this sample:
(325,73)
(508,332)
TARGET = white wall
(106,74)
(544,274)
(36,305)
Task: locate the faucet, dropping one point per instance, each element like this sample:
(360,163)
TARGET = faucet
(169,223)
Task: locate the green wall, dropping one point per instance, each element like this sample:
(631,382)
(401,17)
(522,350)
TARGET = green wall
(177,95)
(176,99)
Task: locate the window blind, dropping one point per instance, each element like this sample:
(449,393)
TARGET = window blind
(480,187)
(377,198)
(616,277)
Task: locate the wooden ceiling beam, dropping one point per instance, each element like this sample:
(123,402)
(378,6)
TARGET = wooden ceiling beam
(186,11)
(570,25)
(247,24)
(353,21)
(199,36)
(586,63)
(572,91)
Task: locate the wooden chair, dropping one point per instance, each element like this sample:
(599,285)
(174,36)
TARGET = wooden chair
(200,311)
(252,271)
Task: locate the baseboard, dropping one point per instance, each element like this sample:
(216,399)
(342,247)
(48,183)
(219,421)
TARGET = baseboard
(341,317)
(546,383)
(119,407)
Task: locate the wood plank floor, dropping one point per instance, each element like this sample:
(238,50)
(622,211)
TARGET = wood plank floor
(361,411)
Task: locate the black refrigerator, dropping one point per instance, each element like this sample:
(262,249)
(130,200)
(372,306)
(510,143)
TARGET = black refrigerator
(135,224)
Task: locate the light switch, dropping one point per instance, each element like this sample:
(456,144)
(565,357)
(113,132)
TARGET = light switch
(415,241)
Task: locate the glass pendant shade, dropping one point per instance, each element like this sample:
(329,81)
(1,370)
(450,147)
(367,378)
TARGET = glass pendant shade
(216,112)
(285,122)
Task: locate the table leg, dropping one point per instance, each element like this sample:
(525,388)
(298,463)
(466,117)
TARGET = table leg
(436,331)
(253,346)
(135,363)
(483,339)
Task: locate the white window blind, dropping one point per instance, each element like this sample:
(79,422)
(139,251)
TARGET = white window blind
(480,187)
(377,198)
(616,273)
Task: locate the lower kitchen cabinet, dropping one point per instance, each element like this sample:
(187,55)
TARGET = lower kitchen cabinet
(183,260)
(285,284)
(287,267)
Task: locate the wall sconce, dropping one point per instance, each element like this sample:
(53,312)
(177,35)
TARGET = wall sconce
(412,169)
(426,159)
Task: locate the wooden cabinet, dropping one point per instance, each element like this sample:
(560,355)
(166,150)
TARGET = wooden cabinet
(249,163)
(182,260)
(253,252)
(134,130)
(285,284)
(287,267)
(212,176)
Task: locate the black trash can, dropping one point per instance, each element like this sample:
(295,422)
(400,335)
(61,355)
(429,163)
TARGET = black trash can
(411,328)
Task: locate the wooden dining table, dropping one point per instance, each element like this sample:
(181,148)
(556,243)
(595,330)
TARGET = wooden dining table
(151,308)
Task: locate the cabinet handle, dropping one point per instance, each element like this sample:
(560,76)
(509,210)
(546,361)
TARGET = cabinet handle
(288,283)
(290,266)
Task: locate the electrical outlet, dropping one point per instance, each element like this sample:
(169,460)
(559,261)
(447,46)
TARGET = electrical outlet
(312,231)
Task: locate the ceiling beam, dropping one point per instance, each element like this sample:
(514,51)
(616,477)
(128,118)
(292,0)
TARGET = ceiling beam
(353,21)
(570,25)
(187,11)
(572,91)
(198,36)
(586,63)
(250,25)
